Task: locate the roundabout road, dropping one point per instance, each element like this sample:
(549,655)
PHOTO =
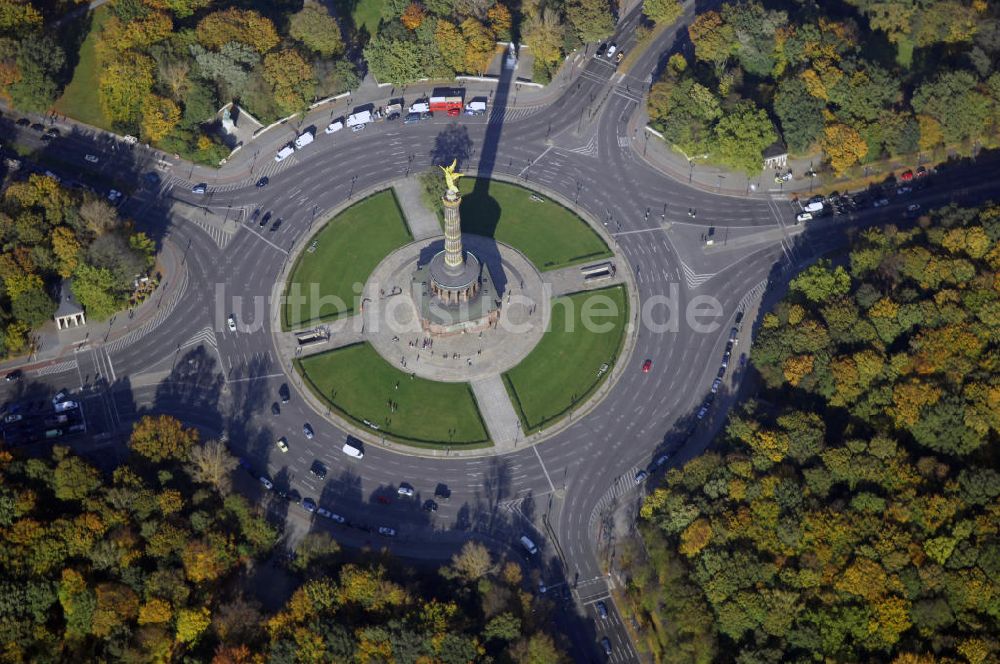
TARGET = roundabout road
(561,491)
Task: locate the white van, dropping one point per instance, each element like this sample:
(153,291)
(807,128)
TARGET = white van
(815,206)
(352,450)
(304,140)
(528,545)
(284,153)
(420,107)
(334,127)
(362,118)
(475,108)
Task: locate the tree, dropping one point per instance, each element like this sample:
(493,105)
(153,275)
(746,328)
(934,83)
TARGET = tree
(230,67)
(40,62)
(159,116)
(212,464)
(952,99)
(161,438)
(714,40)
(505,627)
(237,25)
(191,623)
(33,306)
(67,250)
(480,45)
(317,30)
(74,479)
(179,8)
(800,113)
(500,21)
(820,283)
(94,288)
(539,648)
(451,44)
(291,79)
(413,16)
(18,17)
(544,35)
(844,146)
(590,18)
(472,562)
(741,137)
(123,84)
(662,11)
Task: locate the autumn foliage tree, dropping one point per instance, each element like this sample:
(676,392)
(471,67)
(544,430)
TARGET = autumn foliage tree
(161,438)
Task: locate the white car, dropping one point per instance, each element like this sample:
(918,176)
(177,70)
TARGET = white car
(266,482)
(327,514)
(92,158)
(386,531)
(611,50)
(282,444)
(803,216)
(334,127)
(405,490)
(232,323)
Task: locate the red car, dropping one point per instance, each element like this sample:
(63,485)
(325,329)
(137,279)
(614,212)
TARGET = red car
(646,366)
(906,176)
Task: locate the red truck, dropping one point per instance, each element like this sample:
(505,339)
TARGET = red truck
(450,105)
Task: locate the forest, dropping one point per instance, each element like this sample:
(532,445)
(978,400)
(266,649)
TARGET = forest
(860,80)
(50,232)
(159,562)
(850,510)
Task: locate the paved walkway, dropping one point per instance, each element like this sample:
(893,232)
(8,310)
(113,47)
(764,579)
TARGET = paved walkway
(497,411)
(567,280)
(422,222)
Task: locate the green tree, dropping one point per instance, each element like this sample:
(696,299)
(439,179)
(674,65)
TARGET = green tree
(95,289)
(590,18)
(291,80)
(821,283)
(394,60)
(33,306)
(800,113)
(505,627)
(741,136)
(662,11)
(316,30)
(40,62)
(952,99)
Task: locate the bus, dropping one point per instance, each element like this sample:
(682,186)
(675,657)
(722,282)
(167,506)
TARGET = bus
(599,271)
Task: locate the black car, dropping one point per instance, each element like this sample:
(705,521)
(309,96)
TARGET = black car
(52,132)
(392,116)
(276,225)
(263,220)
(47,137)
(284,393)
(38,127)
(602,609)
(318,469)
(263,181)
(23,122)
(430,506)
(14,375)
(275,409)
(442,492)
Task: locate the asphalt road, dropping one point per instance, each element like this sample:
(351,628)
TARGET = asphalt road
(560,492)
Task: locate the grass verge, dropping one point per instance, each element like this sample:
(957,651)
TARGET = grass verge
(360,385)
(564,368)
(348,248)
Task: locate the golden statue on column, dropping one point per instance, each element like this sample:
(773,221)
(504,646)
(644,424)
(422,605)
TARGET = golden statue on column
(451,178)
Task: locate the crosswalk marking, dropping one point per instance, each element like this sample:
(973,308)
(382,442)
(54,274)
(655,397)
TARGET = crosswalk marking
(52,369)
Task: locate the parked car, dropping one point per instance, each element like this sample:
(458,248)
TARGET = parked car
(309,505)
(386,531)
(266,482)
(640,477)
(442,492)
(318,469)
(282,444)
(716,384)
(906,176)
(405,490)
(430,506)
(334,127)
(606,645)
(92,158)
(283,393)
(38,127)
(23,122)
(307,431)
(602,609)
(882,202)
(275,409)
(803,216)
(611,50)
(276,225)
(618,58)
(411,118)
(199,188)
(13,376)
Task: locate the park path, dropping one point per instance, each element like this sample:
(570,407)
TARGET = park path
(422,222)
(497,411)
